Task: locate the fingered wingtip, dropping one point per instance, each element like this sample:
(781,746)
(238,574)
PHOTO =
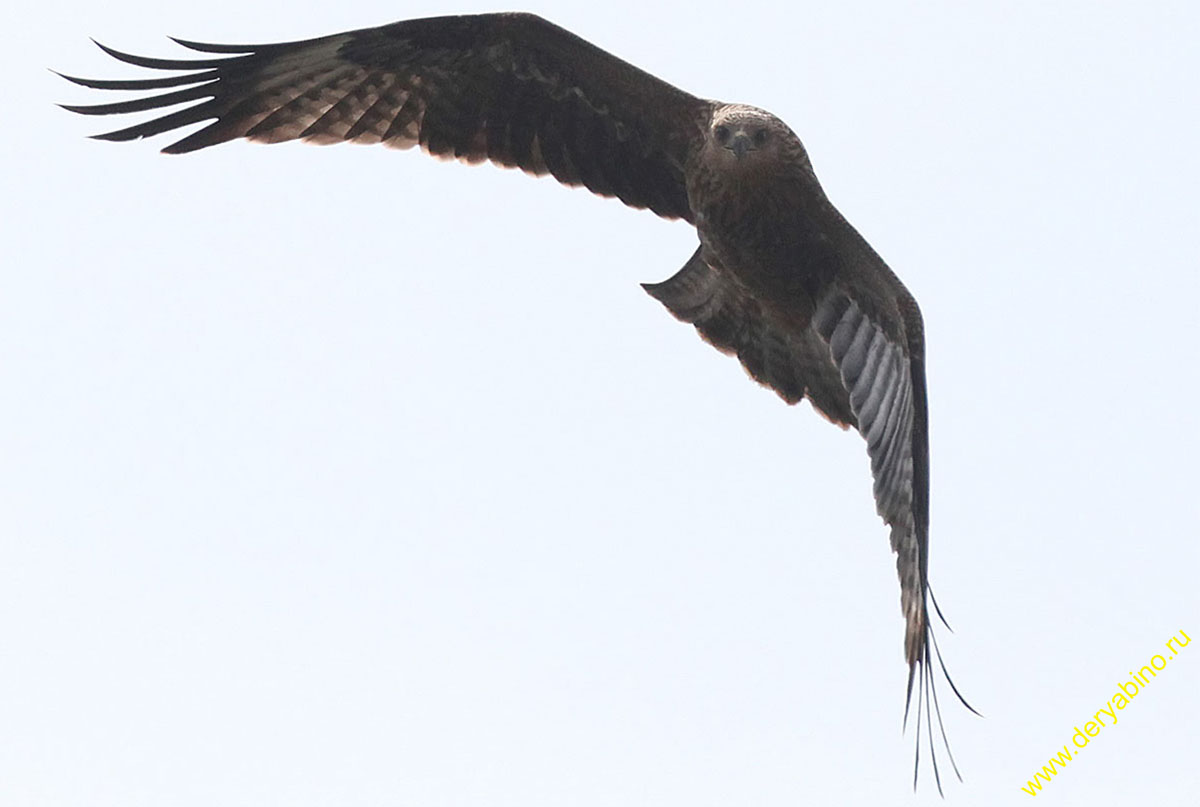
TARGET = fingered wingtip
(157,64)
(928,706)
(946,674)
(82,82)
(214,47)
(187,43)
(937,608)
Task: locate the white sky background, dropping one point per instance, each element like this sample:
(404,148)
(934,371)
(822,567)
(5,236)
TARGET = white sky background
(344,476)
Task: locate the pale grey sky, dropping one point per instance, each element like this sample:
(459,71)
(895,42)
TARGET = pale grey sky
(344,476)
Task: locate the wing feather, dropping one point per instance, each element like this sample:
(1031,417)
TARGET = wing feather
(794,365)
(858,369)
(136,84)
(881,402)
(521,92)
(885,374)
(510,88)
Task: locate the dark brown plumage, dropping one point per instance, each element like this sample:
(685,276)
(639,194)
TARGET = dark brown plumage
(780,279)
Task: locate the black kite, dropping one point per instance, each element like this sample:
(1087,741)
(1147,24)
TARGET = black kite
(780,279)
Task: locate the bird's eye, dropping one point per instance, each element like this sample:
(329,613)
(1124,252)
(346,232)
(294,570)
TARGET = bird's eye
(722,133)
(760,137)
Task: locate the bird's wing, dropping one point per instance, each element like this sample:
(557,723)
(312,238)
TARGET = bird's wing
(880,355)
(853,373)
(795,365)
(884,378)
(860,369)
(510,88)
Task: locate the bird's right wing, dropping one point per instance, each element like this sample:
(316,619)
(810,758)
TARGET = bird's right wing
(510,88)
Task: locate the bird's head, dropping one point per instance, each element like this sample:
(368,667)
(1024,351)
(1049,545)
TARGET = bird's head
(747,139)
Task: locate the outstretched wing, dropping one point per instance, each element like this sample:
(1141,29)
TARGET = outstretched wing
(855,374)
(882,365)
(795,365)
(884,379)
(860,369)
(510,88)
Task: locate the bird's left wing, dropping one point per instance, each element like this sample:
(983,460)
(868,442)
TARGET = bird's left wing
(795,365)
(861,363)
(859,369)
(510,88)
(879,351)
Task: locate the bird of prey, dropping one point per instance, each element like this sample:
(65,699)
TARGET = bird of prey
(780,279)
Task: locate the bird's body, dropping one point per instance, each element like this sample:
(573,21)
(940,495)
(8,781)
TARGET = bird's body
(780,279)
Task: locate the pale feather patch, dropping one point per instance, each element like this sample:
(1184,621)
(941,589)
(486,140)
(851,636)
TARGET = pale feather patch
(875,370)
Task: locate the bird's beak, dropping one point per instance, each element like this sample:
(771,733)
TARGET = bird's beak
(740,144)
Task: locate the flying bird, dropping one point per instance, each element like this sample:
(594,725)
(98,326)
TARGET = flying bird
(780,279)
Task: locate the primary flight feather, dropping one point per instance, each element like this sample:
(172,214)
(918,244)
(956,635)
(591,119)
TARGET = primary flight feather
(780,279)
